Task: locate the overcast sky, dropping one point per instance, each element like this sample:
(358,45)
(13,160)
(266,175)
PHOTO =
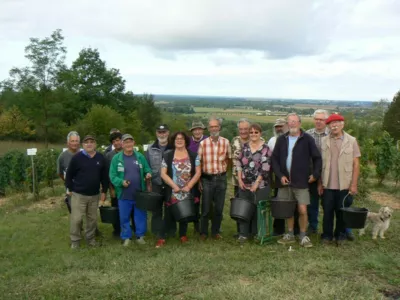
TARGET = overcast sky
(336,49)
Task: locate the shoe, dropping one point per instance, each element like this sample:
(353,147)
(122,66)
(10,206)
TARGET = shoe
(312,231)
(306,242)
(92,243)
(326,242)
(160,243)
(141,240)
(350,236)
(339,242)
(75,245)
(184,239)
(242,239)
(287,239)
(203,237)
(126,243)
(217,237)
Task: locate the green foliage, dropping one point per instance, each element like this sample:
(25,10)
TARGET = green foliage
(383,156)
(14,125)
(391,120)
(149,113)
(396,166)
(134,126)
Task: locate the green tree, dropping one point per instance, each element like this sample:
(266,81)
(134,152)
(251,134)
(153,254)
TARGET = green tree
(391,120)
(384,156)
(13,124)
(149,113)
(396,166)
(36,83)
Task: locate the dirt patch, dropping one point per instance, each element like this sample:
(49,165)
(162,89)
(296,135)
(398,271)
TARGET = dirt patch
(386,199)
(47,204)
(3,201)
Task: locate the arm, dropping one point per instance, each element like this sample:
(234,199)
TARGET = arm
(146,168)
(113,173)
(356,173)
(275,160)
(239,167)
(316,159)
(195,178)
(168,180)
(228,159)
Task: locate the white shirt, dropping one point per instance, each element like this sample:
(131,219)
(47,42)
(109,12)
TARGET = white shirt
(271,143)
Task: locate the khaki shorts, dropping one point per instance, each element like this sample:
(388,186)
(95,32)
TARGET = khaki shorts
(302,196)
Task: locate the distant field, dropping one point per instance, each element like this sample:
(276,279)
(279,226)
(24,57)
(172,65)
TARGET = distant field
(217,109)
(8,145)
(236,117)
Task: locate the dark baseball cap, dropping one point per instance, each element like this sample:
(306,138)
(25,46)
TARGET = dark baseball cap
(162,127)
(89,137)
(127,136)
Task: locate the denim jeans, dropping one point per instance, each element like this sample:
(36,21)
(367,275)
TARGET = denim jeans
(313,207)
(214,190)
(331,203)
(125,210)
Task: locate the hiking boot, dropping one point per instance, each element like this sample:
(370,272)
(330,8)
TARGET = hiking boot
(184,239)
(350,236)
(75,245)
(306,242)
(126,243)
(160,243)
(287,239)
(217,237)
(141,240)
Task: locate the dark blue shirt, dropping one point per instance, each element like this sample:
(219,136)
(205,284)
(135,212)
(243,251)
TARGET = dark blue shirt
(131,173)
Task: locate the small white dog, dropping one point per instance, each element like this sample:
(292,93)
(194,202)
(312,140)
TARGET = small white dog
(380,221)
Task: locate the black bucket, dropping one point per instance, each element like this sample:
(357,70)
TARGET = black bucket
(354,217)
(283,209)
(242,209)
(184,210)
(109,214)
(149,201)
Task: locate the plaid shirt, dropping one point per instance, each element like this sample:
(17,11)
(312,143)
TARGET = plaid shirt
(214,155)
(318,136)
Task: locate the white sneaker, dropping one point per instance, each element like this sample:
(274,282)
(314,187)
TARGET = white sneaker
(287,239)
(126,243)
(306,242)
(141,240)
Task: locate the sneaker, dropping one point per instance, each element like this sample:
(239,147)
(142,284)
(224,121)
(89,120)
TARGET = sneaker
(306,242)
(287,239)
(75,245)
(184,239)
(126,243)
(160,243)
(141,240)
(218,237)
(350,236)
(242,239)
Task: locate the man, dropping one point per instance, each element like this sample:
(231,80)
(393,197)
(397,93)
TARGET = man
(73,141)
(319,131)
(215,154)
(290,160)
(86,172)
(128,171)
(197,130)
(280,128)
(111,147)
(340,170)
(154,156)
(237,145)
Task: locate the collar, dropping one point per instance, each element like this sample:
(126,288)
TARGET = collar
(326,131)
(333,137)
(202,138)
(87,154)
(157,145)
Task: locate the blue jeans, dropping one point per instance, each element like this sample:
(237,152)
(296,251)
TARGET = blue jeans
(140,216)
(313,207)
(332,202)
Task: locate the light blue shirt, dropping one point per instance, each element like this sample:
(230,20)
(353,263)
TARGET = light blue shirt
(292,142)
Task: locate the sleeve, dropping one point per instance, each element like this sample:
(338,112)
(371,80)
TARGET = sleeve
(200,151)
(146,166)
(197,161)
(316,158)
(71,171)
(104,176)
(60,169)
(265,162)
(146,155)
(113,172)
(356,150)
(275,159)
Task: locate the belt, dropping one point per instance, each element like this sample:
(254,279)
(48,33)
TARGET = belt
(211,176)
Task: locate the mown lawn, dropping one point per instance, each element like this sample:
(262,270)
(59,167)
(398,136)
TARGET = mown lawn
(37,263)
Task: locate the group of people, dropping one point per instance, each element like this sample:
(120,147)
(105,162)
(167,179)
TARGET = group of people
(320,164)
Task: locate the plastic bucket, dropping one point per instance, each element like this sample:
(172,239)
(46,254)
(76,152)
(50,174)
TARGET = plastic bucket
(354,217)
(283,209)
(184,210)
(109,214)
(149,201)
(242,209)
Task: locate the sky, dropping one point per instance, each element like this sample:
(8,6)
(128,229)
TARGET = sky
(314,49)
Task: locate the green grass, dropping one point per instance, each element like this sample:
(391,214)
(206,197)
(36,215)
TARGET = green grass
(36,263)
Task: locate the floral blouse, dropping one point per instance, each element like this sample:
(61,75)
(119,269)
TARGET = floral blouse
(181,176)
(254,164)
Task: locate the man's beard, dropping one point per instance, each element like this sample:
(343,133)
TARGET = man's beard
(162,139)
(293,130)
(214,134)
(278,134)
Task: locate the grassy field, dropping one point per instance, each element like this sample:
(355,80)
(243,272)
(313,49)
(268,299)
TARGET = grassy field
(37,263)
(8,145)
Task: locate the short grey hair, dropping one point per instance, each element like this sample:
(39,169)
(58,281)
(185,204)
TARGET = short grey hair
(293,114)
(243,120)
(214,119)
(71,134)
(321,111)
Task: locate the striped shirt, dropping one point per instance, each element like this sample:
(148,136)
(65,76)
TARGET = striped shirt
(214,155)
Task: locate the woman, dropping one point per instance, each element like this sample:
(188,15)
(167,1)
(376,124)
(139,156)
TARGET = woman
(253,165)
(180,171)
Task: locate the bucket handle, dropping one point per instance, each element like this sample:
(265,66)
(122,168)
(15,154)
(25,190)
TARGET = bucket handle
(344,199)
(149,185)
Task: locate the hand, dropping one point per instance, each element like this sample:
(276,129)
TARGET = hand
(176,189)
(242,186)
(353,189)
(320,189)
(148,176)
(69,194)
(126,183)
(254,187)
(186,189)
(200,186)
(284,180)
(311,179)
(112,193)
(103,197)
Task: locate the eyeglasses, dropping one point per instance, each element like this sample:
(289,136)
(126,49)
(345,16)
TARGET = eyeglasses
(179,139)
